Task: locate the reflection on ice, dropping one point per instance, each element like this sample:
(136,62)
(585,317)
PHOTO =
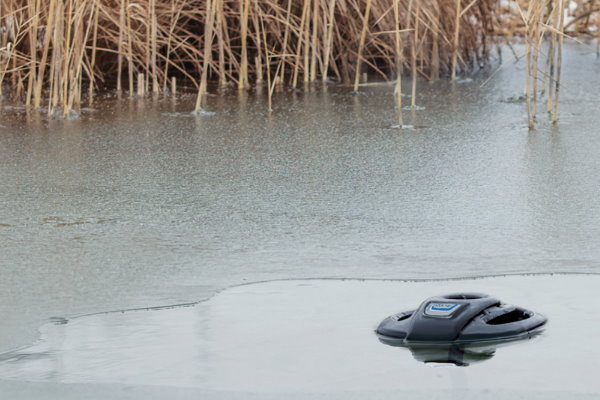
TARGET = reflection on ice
(455,354)
(458,355)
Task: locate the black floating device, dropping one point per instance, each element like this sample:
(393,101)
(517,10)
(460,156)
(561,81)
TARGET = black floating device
(460,319)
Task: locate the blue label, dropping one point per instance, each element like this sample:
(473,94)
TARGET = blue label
(443,307)
(442,310)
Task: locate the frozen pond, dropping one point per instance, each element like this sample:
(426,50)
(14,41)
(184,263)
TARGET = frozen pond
(138,204)
(316,336)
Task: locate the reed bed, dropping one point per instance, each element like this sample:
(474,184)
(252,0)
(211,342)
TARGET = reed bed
(54,54)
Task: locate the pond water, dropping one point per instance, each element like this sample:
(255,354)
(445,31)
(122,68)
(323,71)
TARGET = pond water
(138,204)
(317,336)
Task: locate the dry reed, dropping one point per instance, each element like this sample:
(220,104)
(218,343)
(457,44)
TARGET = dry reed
(544,18)
(56,52)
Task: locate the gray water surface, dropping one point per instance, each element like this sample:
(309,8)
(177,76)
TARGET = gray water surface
(138,204)
(316,336)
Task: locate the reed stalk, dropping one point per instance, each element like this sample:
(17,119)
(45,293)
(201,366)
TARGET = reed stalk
(130,67)
(147,48)
(434,73)
(141,86)
(34,6)
(306,67)
(120,45)
(301,42)
(398,43)
(314,41)
(208,38)
(244,11)
(220,17)
(361,45)
(457,15)
(288,15)
(96,12)
(561,24)
(258,58)
(268,67)
(153,33)
(413,57)
(328,38)
(37,94)
(549,73)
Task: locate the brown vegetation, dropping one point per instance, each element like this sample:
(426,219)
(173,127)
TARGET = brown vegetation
(54,53)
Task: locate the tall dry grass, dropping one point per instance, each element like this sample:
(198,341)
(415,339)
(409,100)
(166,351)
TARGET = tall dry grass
(544,31)
(55,53)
